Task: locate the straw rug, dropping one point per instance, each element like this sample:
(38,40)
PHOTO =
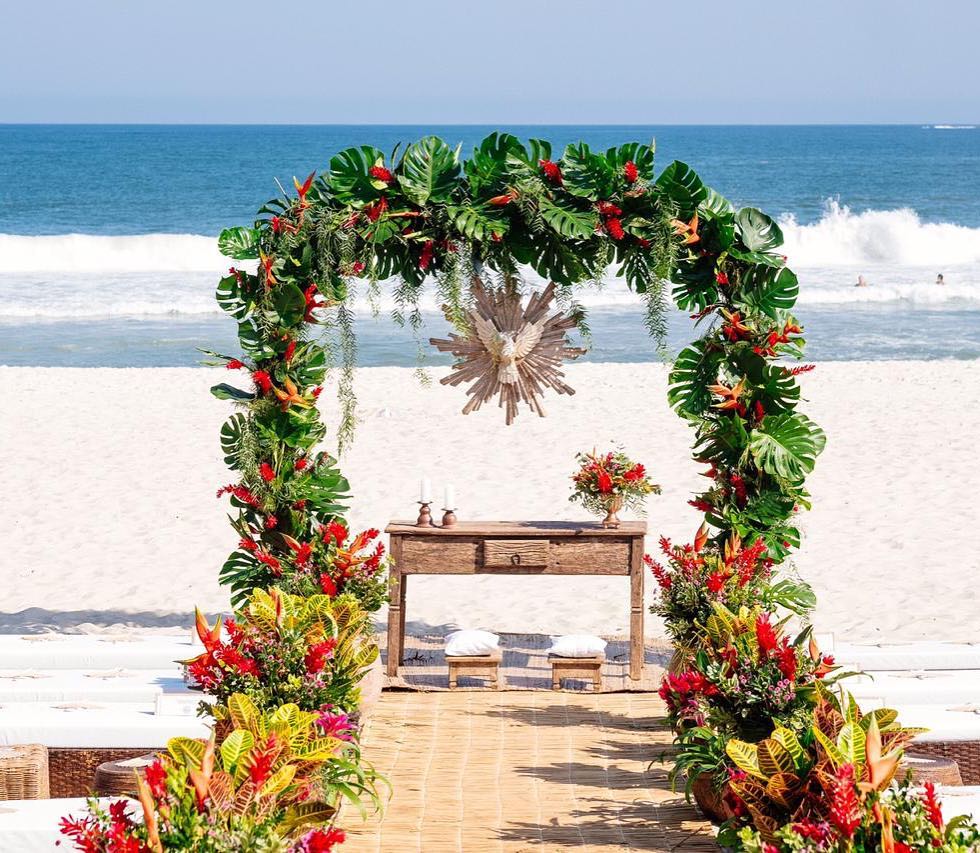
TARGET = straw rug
(531,771)
(525,664)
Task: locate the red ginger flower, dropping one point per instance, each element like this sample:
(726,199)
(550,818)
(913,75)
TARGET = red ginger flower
(328,585)
(300,463)
(786,658)
(425,259)
(375,210)
(721,277)
(381,173)
(240,492)
(318,654)
(615,229)
(716,582)
(290,351)
(235,364)
(551,171)
(765,635)
(322,840)
(263,760)
(156,778)
(334,531)
(357,268)
(630,172)
(607,208)
(263,381)
(933,811)
(604,482)
(635,474)
(267,472)
(845,810)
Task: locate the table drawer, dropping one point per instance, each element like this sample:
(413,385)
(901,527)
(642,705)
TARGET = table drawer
(439,557)
(591,556)
(515,553)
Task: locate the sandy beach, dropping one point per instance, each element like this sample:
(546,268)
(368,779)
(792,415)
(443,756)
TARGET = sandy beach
(111,518)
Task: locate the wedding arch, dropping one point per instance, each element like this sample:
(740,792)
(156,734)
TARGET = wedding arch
(425,213)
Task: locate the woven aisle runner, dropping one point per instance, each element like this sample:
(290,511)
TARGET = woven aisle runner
(525,664)
(533,771)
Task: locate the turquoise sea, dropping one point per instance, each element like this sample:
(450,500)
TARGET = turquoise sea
(107,253)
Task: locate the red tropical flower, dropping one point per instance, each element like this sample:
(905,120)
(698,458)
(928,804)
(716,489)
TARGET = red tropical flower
(375,210)
(300,463)
(425,259)
(235,364)
(323,840)
(357,268)
(328,586)
(716,582)
(263,381)
(764,634)
(636,473)
(786,659)
(551,171)
(271,522)
(845,811)
(721,277)
(501,200)
(318,654)
(290,351)
(381,173)
(267,472)
(334,531)
(933,811)
(615,229)
(604,482)
(607,208)
(156,777)
(630,172)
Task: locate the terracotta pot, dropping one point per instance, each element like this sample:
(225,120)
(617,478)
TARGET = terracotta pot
(614,504)
(710,800)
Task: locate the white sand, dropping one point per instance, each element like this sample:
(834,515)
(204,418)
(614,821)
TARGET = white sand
(109,514)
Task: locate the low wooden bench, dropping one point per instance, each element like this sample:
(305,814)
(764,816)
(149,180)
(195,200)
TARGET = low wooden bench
(583,669)
(475,666)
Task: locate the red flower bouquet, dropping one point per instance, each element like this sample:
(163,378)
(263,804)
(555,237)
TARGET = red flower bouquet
(607,483)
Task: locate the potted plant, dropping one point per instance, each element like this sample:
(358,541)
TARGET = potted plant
(610,482)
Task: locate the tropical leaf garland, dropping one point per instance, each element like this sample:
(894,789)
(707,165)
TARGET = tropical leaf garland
(507,208)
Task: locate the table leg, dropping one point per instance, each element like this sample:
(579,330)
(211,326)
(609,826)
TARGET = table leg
(401,625)
(636,610)
(394,620)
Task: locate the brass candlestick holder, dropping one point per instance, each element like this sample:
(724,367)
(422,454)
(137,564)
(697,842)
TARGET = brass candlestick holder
(425,515)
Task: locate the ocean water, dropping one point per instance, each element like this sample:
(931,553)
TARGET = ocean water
(108,258)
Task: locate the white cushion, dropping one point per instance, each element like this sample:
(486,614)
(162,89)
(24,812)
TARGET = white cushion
(95,651)
(577,646)
(471,642)
(31,826)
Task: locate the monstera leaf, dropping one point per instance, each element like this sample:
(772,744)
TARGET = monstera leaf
(785,446)
(569,219)
(239,243)
(587,174)
(769,290)
(759,233)
(478,221)
(231,299)
(694,369)
(232,435)
(349,180)
(681,184)
(429,171)
(632,152)
(487,169)
(290,304)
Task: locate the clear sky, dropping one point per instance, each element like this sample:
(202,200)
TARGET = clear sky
(433,61)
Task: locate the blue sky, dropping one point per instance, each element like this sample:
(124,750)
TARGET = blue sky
(430,61)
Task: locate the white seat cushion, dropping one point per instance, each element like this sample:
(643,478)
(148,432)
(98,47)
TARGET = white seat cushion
(471,642)
(32,826)
(577,646)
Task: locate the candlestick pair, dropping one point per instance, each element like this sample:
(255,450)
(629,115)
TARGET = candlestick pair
(425,516)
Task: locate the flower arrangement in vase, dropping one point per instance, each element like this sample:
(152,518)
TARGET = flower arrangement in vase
(610,482)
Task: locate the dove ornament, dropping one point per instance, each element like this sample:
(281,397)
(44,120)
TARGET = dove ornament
(512,352)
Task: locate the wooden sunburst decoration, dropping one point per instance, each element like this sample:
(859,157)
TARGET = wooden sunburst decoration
(511,352)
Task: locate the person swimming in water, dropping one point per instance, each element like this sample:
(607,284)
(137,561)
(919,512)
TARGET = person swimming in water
(939,279)
(861,282)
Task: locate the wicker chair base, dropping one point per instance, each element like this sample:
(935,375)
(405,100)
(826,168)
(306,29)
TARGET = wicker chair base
(72,771)
(24,772)
(930,768)
(118,778)
(966,753)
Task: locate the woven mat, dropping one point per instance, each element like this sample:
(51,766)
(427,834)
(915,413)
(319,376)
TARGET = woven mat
(524,666)
(485,771)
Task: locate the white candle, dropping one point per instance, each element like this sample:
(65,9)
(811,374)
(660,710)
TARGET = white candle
(450,498)
(425,491)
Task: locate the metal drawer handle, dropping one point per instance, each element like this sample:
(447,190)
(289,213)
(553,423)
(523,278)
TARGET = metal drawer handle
(515,559)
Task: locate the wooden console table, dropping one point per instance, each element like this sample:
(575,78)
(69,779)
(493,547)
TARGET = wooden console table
(515,548)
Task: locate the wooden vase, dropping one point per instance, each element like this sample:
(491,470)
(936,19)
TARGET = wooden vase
(613,505)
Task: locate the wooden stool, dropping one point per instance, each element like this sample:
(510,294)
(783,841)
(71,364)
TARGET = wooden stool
(475,666)
(118,778)
(24,772)
(583,669)
(929,768)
